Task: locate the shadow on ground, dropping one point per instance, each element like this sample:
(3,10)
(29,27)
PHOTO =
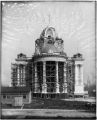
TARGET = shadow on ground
(57,104)
(60,104)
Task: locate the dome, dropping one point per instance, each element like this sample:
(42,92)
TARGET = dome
(50,49)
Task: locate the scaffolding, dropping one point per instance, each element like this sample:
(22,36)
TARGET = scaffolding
(70,77)
(61,75)
(29,72)
(18,74)
(40,75)
(51,76)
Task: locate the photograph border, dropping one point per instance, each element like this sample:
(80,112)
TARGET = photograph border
(95,2)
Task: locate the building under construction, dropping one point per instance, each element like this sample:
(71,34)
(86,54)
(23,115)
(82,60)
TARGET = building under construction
(50,73)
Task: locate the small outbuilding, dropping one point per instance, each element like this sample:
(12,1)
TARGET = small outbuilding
(15,96)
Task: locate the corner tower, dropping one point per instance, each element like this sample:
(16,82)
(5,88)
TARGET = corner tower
(18,71)
(79,83)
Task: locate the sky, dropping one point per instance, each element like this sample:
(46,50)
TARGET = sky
(23,22)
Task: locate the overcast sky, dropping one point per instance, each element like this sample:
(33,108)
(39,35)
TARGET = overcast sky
(22,24)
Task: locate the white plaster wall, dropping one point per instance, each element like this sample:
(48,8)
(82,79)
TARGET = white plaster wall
(79,90)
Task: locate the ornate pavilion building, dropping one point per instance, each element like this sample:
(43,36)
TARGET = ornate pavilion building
(50,73)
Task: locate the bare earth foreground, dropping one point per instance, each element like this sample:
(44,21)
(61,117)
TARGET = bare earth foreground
(39,108)
(50,113)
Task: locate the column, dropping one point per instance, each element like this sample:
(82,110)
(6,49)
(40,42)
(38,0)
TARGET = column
(82,83)
(24,80)
(65,81)
(76,74)
(18,75)
(36,80)
(57,79)
(79,75)
(44,86)
(32,87)
(21,74)
(79,88)
(82,75)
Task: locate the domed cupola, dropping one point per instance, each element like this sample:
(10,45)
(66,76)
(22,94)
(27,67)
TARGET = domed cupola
(49,43)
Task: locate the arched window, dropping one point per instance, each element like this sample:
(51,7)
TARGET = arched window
(49,33)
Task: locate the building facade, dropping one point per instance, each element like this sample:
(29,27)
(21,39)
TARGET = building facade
(18,74)
(51,73)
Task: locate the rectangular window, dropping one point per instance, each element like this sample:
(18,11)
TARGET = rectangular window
(8,97)
(4,96)
(24,96)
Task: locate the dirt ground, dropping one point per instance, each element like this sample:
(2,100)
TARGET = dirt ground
(46,113)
